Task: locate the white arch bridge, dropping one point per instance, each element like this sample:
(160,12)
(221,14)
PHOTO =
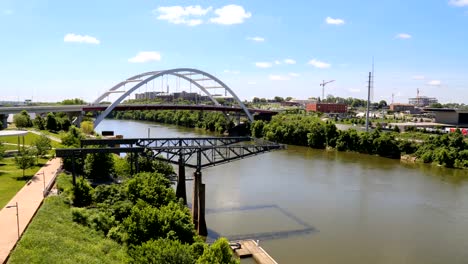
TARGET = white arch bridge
(199,79)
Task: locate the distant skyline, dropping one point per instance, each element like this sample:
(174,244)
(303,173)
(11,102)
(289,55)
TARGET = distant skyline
(53,50)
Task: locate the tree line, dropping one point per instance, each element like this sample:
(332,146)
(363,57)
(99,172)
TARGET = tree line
(449,150)
(212,121)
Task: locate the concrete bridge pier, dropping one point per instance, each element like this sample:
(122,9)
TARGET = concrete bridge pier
(181,191)
(198,205)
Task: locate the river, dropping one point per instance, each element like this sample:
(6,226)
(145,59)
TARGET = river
(315,206)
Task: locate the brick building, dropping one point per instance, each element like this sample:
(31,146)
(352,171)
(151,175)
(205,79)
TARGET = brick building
(327,108)
(396,107)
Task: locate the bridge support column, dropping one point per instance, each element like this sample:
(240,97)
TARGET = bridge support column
(198,206)
(202,230)
(181,191)
(196,184)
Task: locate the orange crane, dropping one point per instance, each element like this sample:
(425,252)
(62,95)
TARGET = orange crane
(323,87)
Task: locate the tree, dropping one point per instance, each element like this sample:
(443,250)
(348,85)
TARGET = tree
(152,188)
(87,127)
(289,98)
(99,166)
(82,193)
(279,99)
(316,138)
(75,101)
(25,159)
(51,122)
(73,137)
(39,122)
(22,119)
(382,104)
(42,144)
(218,252)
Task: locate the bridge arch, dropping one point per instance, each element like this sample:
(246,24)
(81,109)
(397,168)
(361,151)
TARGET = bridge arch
(184,73)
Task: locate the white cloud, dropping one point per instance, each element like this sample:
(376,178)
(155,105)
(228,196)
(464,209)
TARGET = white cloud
(231,71)
(289,61)
(145,56)
(434,83)
(230,14)
(263,64)
(293,74)
(334,21)
(418,77)
(251,82)
(403,36)
(70,37)
(354,90)
(7,12)
(189,15)
(277,62)
(458,2)
(278,77)
(319,64)
(256,39)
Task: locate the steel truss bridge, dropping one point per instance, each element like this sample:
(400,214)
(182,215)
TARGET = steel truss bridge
(193,152)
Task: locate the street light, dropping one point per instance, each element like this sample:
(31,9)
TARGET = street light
(17,216)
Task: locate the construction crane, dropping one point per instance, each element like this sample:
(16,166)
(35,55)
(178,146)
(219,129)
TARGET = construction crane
(323,87)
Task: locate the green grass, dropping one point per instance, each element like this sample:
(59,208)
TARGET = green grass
(52,237)
(12,180)
(49,133)
(10,147)
(28,140)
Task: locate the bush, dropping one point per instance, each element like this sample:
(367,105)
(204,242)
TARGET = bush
(163,251)
(218,252)
(152,188)
(82,193)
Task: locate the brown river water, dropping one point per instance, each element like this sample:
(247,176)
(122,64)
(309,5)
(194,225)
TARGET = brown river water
(315,206)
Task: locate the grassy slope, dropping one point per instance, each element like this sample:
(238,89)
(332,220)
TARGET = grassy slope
(12,180)
(52,237)
(28,140)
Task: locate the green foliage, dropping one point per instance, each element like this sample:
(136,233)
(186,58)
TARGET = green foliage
(75,101)
(39,122)
(51,122)
(99,166)
(162,251)
(22,120)
(73,137)
(147,222)
(152,188)
(218,253)
(42,144)
(87,127)
(82,193)
(211,121)
(25,159)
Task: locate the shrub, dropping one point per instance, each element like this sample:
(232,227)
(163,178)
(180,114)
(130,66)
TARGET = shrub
(82,193)
(163,251)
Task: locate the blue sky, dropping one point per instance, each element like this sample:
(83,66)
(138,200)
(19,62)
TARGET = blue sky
(51,50)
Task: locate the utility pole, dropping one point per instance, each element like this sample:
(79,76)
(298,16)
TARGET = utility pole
(368,101)
(323,87)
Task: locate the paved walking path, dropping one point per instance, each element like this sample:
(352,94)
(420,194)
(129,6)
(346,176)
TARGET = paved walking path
(29,198)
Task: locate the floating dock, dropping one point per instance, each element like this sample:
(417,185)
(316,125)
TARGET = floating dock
(251,249)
